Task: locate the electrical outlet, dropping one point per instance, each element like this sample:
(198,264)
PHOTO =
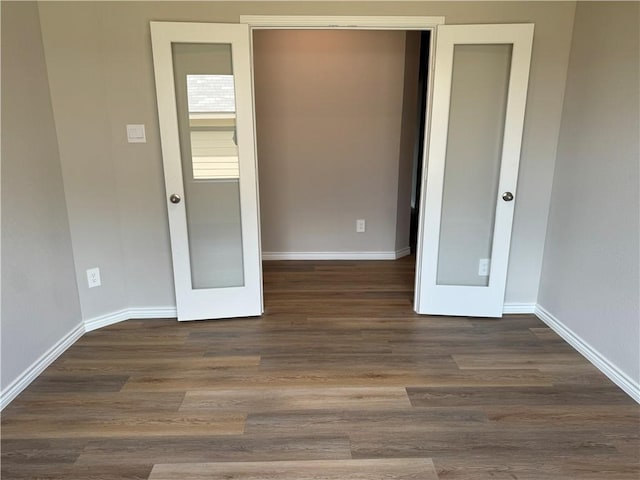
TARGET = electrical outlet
(93,277)
(360,225)
(483,267)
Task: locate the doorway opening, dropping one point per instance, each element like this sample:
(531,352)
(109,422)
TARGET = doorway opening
(340,122)
(419,153)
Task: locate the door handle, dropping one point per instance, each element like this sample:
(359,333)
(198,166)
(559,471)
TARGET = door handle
(507,196)
(175,198)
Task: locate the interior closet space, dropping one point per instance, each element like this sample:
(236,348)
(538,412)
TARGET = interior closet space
(338,122)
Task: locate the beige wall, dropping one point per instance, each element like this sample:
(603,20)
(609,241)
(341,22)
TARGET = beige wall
(84,98)
(409,134)
(101,77)
(590,280)
(39,295)
(328,118)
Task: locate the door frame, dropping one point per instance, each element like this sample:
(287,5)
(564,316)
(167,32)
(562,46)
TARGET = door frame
(320,22)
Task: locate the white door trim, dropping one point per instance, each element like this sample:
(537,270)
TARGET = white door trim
(344,22)
(367,23)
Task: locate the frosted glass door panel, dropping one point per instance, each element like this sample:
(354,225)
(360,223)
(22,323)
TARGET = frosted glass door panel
(205,103)
(205,110)
(479,91)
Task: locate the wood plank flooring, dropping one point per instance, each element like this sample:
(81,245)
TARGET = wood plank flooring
(339,379)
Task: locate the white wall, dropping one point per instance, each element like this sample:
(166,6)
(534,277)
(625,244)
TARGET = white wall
(39,295)
(101,76)
(590,278)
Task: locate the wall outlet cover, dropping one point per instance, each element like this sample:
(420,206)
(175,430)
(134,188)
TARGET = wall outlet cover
(484,264)
(93,277)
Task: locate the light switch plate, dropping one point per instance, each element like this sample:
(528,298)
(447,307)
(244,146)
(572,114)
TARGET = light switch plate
(136,134)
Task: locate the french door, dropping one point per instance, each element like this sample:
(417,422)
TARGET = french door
(479,93)
(204,95)
(203,84)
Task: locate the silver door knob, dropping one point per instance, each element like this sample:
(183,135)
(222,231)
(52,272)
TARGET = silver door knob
(507,196)
(175,198)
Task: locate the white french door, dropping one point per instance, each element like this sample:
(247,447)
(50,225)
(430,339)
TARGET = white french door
(480,83)
(204,95)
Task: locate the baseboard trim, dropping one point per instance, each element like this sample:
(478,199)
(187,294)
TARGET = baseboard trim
(617,376)
(36,368)
(47,358)
(512,308)
(389,255)
(128,314)
(152,312)
(105,320)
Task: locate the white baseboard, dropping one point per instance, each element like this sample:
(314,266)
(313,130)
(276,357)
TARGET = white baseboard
(128,314)
(631,387)
(152,312)
(100,321)
(389,255)
(617,376)
(510,308)
(37,367)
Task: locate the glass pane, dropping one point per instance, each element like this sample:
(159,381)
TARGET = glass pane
(479,88)
(212,122)
(205,100)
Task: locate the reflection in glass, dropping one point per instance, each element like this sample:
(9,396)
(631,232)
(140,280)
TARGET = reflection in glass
(205,102)
(212,122)
(479,88)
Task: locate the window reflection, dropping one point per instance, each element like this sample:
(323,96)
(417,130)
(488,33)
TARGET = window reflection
(212,126)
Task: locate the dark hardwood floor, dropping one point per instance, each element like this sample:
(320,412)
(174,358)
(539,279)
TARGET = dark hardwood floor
(338,380)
